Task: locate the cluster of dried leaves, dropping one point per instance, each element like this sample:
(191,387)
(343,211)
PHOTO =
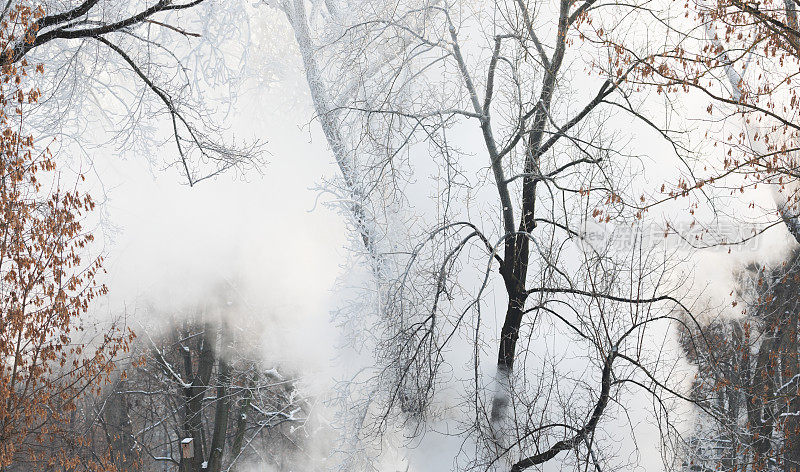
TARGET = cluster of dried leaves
(46,287)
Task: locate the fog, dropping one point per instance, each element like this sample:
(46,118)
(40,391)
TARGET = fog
(286,248)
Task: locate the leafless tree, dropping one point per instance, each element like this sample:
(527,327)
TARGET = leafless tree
(747,377)
(128,62)
(399,85)
(200,377)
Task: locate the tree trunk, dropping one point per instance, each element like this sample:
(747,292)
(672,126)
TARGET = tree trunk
(195,393)
(791,447)
(241,422)
(760,393)
(117,416)
(505,360)
(220,418)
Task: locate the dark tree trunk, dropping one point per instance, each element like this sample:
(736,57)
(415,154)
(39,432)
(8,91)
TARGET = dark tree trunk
(760,392)
(117,417)
(195,393)
(221,414)
(241,422)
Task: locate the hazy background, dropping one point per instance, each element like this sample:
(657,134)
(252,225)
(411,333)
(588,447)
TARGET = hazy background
(271,234)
